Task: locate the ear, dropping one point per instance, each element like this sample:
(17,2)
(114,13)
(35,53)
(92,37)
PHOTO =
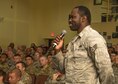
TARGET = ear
(83,18)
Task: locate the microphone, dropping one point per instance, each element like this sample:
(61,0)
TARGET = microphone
(61,37)
(55,44)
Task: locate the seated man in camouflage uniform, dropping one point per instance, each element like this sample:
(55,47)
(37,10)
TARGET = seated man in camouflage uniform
(25,78)
(15,76)
(16,58)
(30,68)
(3,63)
(45,68)
(36,60)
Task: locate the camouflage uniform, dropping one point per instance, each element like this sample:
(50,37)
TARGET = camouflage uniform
(31,69)
(87,60)
(47,70)
(37,65)
(59,80)
(115,69)
(4,66)
(10,62)
(11,68)
(20,82)
(26,78)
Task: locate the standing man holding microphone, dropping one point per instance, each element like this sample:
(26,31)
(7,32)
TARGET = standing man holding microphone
(87,60)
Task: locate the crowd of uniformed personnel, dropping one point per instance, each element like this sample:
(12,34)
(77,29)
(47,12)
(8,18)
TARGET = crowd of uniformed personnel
(113,51)
(17,65)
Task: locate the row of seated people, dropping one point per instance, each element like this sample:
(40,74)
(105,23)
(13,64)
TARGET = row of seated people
(35,63)
(22,74)
(34,66)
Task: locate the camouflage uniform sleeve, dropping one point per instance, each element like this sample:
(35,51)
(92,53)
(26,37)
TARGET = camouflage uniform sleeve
(60,57)
(20,82)
(50,81)
(102,62)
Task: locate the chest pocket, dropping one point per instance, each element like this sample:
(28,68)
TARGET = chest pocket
(79,51)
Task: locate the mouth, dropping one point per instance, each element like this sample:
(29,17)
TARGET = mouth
(70,25)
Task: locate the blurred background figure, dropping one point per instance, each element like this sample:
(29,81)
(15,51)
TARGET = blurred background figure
(3,63)
(2,77)
(25,78)
(15,76)
(0,49)
(30,68)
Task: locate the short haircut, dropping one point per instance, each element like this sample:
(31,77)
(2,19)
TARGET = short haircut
(29,56)
(23,64)
(4,54)
(84,11)
(2,73)
(16,71)
(46,57)
(17,55)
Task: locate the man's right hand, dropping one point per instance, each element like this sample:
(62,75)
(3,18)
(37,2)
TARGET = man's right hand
(59,43)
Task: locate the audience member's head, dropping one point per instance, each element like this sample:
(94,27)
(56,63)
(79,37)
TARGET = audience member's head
(43,60)
(10,54)
(111,50)
(37,56)
(15,76)
(11,45)
(21,47)
(17,58)
(50,58)
(116,59)
(29,60)
(28,51)
(2,76)
(33,45)
(113,57)
(40,50)
(3,57)
(21,66)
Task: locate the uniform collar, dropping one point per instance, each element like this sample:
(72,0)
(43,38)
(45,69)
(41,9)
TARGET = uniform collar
(84,31)
(80,35)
